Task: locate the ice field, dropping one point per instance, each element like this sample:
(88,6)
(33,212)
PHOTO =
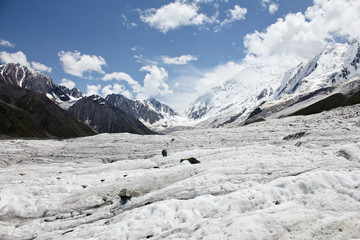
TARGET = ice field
(291,178)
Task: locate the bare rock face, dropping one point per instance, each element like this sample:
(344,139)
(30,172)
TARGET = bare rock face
(18,75)
(149,110)
(103,117)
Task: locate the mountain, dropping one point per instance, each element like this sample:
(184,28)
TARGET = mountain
(149,111)
(261,89)
(103,117)
(235,98)
(24,113)
(22,76)
(335,64)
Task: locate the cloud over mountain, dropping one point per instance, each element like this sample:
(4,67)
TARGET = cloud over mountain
(20,57)
(76,64)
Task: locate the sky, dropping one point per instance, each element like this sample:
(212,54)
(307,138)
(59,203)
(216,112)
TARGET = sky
(173,50)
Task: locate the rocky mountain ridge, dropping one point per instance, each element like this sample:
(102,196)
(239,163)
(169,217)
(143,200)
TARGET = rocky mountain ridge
(22,76)
(149,111)
(103,117)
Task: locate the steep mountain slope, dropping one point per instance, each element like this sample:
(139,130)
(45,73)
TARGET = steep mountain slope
(243,97)
(24,113)
(236,97)
(149,111)
(18,75)
(103,117)
(335,64)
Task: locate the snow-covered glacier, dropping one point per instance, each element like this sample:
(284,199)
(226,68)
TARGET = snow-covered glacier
(290,178)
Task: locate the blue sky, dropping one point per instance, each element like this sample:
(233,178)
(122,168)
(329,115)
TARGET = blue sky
(171,50)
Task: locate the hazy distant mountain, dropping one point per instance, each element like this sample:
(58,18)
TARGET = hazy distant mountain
(257,87)
(24,113)
(103,117)
(149,111)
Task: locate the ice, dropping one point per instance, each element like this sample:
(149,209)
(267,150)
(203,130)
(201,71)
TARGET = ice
(250,184)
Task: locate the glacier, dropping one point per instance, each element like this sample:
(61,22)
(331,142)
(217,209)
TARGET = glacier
(290,178)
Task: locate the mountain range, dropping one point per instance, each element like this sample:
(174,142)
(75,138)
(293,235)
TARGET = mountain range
(101,115)
(32,104)
(260,89)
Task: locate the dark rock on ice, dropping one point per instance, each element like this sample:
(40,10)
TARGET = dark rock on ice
(164,153)
(191,160)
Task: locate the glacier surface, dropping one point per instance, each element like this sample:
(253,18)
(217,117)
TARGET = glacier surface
(290,178)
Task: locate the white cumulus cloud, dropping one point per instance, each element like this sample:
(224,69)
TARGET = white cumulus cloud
(77,64)
(174,15)
(184,59)
(6,43)
(121,76)
(116,89)
(41,67)
(154,82)
(273,8)
(92,89)
(270,5)
(299,37)
(20,57)
(67,83)
(236,14)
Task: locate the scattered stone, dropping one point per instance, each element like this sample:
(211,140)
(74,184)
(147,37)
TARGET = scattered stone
(164,153)
(294,136)
(344,154)
(67,232)
(125,195)
(191,160)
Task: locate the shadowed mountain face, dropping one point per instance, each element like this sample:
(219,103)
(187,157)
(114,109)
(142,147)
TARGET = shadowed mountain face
(24,113)
(103,117)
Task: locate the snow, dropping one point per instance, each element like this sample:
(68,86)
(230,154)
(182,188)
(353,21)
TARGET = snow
(250,184)
(255,84)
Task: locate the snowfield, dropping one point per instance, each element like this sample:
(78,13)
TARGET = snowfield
(293,178)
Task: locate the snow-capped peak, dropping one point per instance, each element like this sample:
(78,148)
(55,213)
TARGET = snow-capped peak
(253,85)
